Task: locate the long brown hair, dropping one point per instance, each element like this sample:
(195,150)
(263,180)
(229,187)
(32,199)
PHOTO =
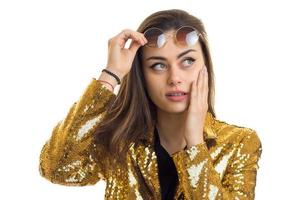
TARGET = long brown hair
(132,113)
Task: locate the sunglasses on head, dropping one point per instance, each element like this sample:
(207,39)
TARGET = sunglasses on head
(184,36)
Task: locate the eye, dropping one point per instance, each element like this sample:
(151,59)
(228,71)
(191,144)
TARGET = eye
(188,61)
(158,65)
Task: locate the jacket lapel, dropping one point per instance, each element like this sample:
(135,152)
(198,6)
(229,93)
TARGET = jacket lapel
(146,160)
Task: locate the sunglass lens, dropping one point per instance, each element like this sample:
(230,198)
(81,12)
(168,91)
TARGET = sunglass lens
(155,37)
(187,36)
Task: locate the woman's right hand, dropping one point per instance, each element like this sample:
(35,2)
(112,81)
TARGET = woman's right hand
(120,59)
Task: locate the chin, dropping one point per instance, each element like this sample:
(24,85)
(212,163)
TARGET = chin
(173,107)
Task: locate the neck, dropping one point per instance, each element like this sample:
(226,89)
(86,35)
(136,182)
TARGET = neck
(170,128)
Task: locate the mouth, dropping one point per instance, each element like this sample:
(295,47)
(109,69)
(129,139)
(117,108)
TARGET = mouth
(177,97)
(176,93)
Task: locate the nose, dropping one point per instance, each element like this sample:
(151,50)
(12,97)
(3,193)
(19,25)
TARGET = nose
(174,76)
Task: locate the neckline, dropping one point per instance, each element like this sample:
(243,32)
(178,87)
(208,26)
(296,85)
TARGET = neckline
(157,141)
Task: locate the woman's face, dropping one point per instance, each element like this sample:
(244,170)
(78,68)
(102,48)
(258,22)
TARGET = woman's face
(171,68)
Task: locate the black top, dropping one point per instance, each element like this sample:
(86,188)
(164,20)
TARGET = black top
(167,172)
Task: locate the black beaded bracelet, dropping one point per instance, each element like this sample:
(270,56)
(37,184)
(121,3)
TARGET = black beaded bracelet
(115,76)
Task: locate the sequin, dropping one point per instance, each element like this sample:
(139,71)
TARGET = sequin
(138,195)
(222,165)
(194,172)
(216,153)
(193,151)
(86,127)
(212,192)
(225,170)
(132,180)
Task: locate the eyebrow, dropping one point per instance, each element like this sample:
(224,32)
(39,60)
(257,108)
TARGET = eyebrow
(163,58)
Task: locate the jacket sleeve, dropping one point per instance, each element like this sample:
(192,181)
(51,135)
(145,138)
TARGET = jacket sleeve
(200,179)
(67,157)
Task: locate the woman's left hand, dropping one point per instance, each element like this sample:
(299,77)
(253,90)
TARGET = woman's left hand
(198,106)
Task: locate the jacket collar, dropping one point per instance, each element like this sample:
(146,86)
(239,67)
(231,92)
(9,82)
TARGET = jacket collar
(209,130)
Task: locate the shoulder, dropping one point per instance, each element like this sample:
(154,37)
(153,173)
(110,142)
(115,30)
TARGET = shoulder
(239,135)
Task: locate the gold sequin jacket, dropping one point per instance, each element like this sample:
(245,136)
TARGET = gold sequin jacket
(224,167)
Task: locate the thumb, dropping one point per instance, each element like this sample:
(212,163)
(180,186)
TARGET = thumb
(134,46)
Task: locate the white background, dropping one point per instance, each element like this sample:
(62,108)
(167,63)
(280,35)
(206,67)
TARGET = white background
(50,50)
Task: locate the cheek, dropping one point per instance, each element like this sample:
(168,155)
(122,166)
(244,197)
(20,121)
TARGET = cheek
(154,87)
(150,84)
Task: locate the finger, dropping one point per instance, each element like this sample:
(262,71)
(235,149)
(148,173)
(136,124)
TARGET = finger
(134,46)
(136,36)
(200,81)
(202,78)
(129,34)
(206,85)
(193,95)
(143,37)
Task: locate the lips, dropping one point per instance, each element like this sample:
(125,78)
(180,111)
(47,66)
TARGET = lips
(176,93)
(177,97)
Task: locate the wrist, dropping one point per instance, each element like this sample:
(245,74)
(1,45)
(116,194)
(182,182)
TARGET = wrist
(108,81)
(194,141)
(120,75)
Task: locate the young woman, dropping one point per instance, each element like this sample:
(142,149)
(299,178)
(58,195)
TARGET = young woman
(158,138)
